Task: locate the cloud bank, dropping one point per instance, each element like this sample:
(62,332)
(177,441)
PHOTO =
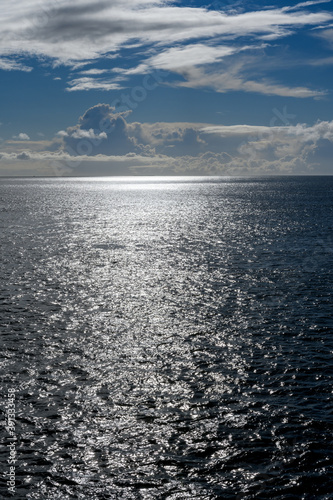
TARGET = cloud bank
(104,142)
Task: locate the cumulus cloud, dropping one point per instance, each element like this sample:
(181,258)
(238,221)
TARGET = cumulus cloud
(100,131)
(207,148)
(88,134)
(104,142)
(21,137)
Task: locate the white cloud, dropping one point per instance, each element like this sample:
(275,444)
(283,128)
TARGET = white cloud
(87,83)
(79,33)
(66,157)
(62,133)
(235,73)
(83,31)
(87,134)
(21,137)
(327,36)
(321,130)
(301,132)
(227,130)
(12,65)
(306,4)
(103,143)
(237,76)
(94,71)
(191,55)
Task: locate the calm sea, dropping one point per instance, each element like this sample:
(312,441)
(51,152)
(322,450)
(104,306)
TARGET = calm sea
(167,338)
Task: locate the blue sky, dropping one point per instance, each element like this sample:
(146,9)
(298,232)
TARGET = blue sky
(223,88)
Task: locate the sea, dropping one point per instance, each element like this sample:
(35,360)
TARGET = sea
(166,338)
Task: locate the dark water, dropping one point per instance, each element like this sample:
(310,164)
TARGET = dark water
(168,338)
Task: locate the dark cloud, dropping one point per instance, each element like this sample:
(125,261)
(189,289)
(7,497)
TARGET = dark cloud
(101,131)
(104,137)
(182,143)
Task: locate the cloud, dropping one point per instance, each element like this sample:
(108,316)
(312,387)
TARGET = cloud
(21,137)
(178,58)
(12,65)
(85,31)
(325,61)
(100,131)
(321,130)
(237,76)
(305,4)
(94,71)
(231,70)
(182,39)
(182,140)
(104,142)
(230,130)
(259,141)
(88,134)
(88,83)
(327,36)
(67,157)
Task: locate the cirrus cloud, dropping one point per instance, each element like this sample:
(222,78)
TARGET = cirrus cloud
(85,31)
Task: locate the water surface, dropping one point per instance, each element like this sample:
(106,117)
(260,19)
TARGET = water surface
(168,338)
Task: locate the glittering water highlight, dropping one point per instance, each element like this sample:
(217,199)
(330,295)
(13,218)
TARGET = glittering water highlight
(168,338)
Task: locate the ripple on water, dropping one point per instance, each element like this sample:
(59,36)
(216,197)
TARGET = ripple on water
(169,340)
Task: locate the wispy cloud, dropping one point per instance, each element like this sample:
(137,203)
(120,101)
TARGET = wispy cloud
(178,58)
(306,133)
(184,40)
(89,83)
(324,61)
(85,31)
(326,35)
(236,79)
(230,72)
(305,4)
(12,65)
(94,71)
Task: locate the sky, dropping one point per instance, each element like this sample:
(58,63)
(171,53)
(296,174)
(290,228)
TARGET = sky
(159,87)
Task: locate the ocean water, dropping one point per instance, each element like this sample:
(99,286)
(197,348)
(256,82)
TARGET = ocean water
(167,338)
